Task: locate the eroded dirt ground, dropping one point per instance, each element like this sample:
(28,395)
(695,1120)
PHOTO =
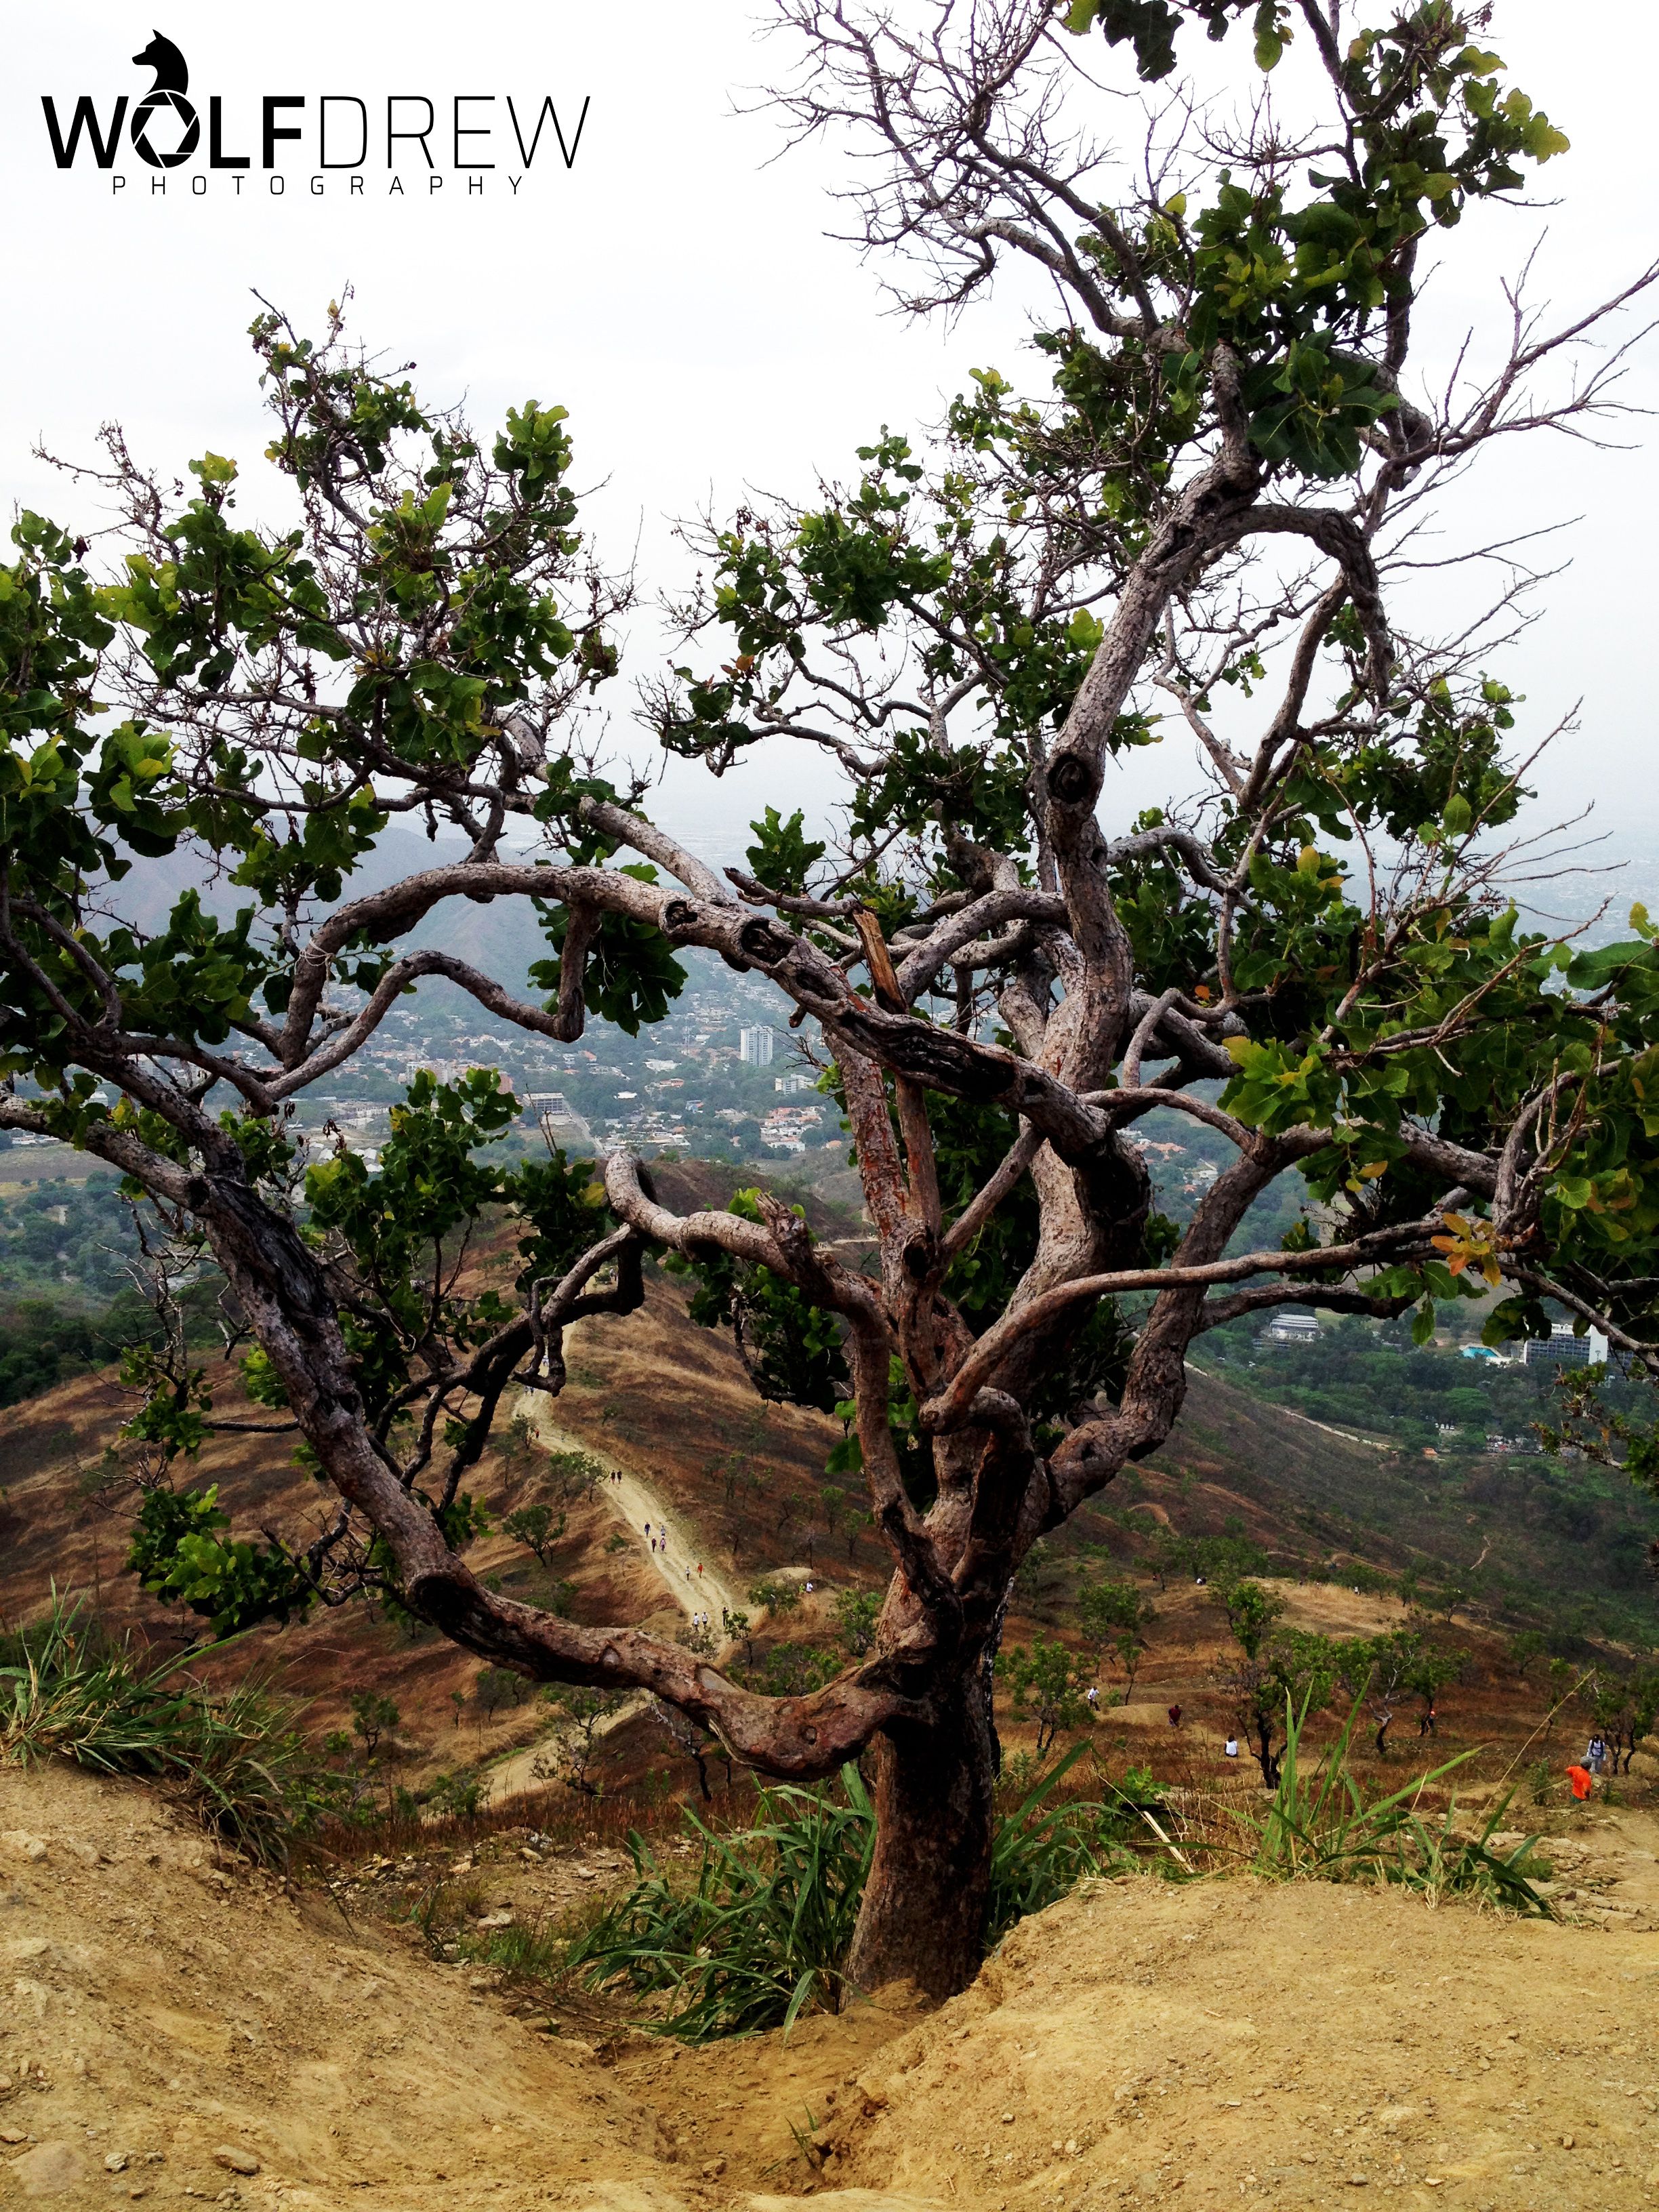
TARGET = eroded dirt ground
(176,2027)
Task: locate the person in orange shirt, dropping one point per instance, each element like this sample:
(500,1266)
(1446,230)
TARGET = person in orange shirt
(1582,1782)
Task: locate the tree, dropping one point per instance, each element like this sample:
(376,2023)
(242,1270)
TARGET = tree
(574,1757)
(1526,1645)
(373,1716)
(1623,1709)
(685,1736)
(1045,1678)
(517,1448)
(1204,517)
(1381,1670)
(497,1687)
(1293,1674)
(1251,1613)
(1114,1616)
(856,1613)
(536,1527)
(778,1598)
(1221,1561)
(1426,1676)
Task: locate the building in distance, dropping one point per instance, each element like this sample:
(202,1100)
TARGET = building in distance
(558,1121)
(1562,1348)
(1293,1329)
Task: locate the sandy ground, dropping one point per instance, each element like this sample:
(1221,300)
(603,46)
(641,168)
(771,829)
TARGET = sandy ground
(177,2028)
(1240,2042)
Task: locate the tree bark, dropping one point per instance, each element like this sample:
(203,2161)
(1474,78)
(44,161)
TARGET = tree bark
(923,1916)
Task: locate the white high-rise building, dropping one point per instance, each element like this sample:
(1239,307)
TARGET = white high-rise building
(755,1046)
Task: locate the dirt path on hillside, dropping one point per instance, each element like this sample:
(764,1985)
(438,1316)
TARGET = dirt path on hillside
(696,1586)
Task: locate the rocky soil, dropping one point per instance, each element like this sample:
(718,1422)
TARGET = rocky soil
(177,2027)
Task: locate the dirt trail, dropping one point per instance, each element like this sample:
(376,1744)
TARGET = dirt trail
(1246,2042)
(696,1586)
(175,2029)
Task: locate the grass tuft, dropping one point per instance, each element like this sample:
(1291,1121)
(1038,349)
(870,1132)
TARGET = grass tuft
(761,1932)
(1319,1826)
(1044,1848)
(70,1690)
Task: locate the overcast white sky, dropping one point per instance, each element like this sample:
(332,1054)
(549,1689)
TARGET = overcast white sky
(680,297)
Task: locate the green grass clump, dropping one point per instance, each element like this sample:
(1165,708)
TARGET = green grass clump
(1043,1848)
(69,1689)
(763,1930)
(1320,1825)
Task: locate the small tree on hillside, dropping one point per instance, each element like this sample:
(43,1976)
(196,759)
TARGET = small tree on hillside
(1045,1682)
(1113,1616)
(1201,518)
(571,1760)
(1623,1709)
(1252,1612)
(1382,1670)
(1526,1647)
(1292,1673)
(1428,1674)
(537,1528)
(373,1716)
(856,1614)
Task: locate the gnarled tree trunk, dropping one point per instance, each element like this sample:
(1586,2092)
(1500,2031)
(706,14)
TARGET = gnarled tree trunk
(923,1917)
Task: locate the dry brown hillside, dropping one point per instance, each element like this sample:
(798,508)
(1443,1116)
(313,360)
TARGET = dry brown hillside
(744,1482)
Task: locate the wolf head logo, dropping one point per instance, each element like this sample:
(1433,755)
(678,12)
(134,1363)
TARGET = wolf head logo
(171,71)
(165,98)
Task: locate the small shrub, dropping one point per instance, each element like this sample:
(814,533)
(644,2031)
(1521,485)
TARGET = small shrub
(458,1796)
(856,1613)
(762,1930)
(776,1597)
(373,1716)
(497,1687)
(1046,1680)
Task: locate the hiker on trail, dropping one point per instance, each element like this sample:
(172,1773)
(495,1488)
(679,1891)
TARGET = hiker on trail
(1175,1716)
(1230,1749)
(1582,1782)
(1091,1697)
(1425,1726)
(1595,1755)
